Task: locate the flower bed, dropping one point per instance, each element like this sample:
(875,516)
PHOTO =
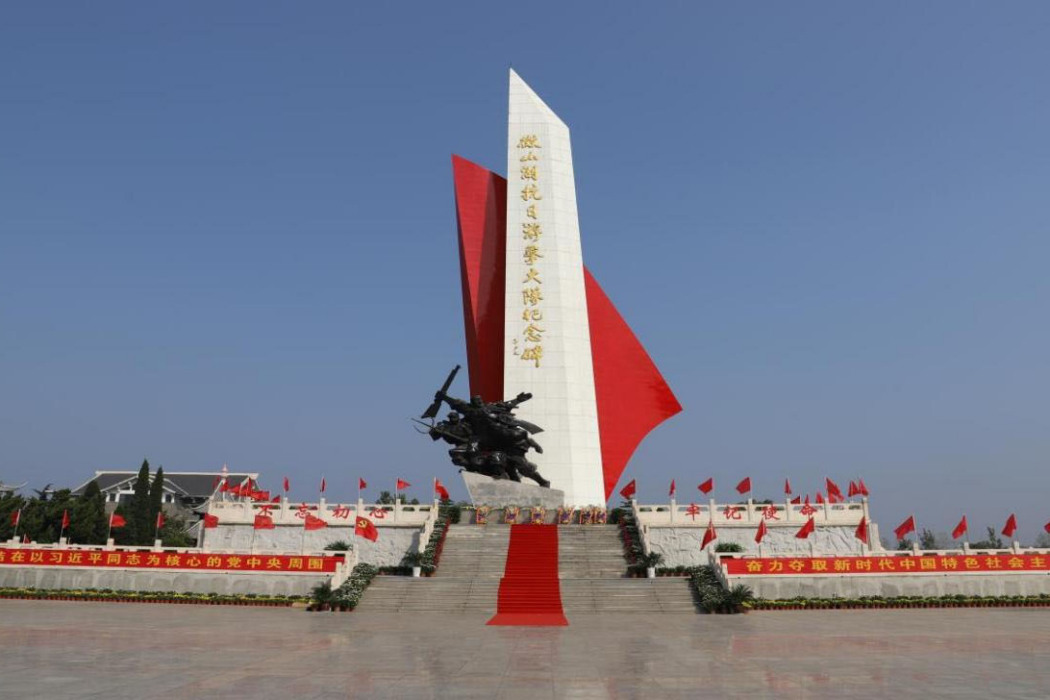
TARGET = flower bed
(348,595)
(167,597)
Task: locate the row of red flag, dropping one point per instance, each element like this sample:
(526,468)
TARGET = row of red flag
(247,489)
(115,520)
(861,533)
(908,526)
(856,488)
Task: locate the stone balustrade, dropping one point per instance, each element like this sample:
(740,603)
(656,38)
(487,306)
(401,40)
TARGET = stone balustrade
(243,512)
(749,513)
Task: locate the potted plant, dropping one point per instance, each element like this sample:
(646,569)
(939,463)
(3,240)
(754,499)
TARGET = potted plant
(650,561)
(414,560)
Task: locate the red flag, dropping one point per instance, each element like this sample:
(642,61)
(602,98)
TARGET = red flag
(807,529)
(312,522)
(707,486)
(65,519)
(861,488)
(820,497)
(364,527)
(287,484)
(709,535)
(744,486)
(117,520)
(402,485)
(1011,526)
(628,490)
(362,484)
(275,499)
(797,500)
(862,531)
(225,485)
(16,517)
(853,491)
(211,521)
(324,484)
(787,487)
(761,531)
(671,494)
(1047,527)
(833,489)
(263,522)
(905,527)
(160,519)
(440,490)
(960,529)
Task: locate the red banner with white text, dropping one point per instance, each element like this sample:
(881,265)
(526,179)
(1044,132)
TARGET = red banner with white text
(954,564)
(166,560)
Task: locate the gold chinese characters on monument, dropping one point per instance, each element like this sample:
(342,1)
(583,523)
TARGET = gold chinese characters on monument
(532,233)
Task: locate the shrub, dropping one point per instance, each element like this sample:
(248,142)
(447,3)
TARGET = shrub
(729,547)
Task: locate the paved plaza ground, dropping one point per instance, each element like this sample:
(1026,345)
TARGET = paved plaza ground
(112,650)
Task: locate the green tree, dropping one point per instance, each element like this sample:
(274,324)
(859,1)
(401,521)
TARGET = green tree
(928,540)
(139,529)
(156,498)
(8,505)
(88,517)
(174,534)
(992,542)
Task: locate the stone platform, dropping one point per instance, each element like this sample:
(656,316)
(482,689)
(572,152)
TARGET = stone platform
(112,651)
(497,493)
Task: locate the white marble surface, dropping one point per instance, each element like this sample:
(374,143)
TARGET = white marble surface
(387,550)
(680,546)
(563,402)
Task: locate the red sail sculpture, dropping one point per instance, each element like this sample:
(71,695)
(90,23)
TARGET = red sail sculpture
(631,394)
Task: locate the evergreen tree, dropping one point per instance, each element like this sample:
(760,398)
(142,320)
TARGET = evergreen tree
(88,517)
(139,529)
(8,505)
(156,499)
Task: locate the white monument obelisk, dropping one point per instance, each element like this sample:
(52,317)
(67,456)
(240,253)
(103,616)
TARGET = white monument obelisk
(547,341)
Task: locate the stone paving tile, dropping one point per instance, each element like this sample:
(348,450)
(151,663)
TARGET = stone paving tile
(114,651)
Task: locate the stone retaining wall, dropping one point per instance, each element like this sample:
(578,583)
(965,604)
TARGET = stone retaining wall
(925,585)
(159,580)
(388,550)
(680,546)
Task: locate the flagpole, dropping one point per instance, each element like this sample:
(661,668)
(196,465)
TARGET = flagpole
(251,544)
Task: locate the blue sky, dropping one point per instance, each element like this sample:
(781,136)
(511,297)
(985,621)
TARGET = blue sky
(227,235)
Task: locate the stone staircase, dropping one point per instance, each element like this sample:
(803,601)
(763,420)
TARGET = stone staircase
(591,569)
(466,580)
(590,551)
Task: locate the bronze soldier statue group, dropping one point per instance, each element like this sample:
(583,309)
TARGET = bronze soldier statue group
(486,438)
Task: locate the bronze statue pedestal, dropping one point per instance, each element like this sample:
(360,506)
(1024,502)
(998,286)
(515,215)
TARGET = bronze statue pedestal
(499,493)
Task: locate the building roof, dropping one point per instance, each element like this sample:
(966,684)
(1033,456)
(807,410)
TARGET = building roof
(191,484)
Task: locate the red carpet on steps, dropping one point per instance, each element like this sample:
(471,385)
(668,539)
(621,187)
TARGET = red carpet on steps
(529,592)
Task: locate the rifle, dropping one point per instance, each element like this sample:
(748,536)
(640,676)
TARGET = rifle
(432,409)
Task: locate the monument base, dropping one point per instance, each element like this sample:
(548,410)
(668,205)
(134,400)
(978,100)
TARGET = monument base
(498,493)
